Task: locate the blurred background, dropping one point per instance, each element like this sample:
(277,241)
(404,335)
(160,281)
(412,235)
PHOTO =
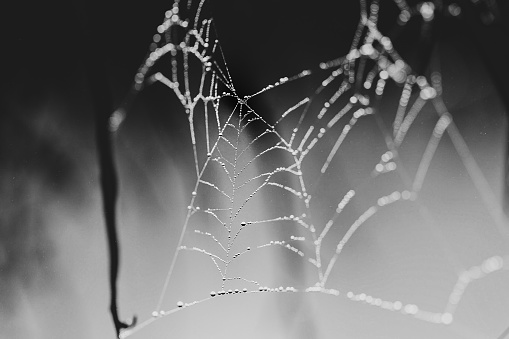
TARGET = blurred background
(53,249)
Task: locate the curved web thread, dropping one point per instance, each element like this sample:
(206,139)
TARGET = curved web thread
(226,154)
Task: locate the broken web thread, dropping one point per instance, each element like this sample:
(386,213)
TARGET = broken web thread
(226,155)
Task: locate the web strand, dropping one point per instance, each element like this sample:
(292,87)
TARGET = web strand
(240,155)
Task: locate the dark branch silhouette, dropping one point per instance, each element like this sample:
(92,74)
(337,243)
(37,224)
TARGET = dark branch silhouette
(94,45)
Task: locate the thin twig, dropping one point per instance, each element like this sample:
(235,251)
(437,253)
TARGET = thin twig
(93,46)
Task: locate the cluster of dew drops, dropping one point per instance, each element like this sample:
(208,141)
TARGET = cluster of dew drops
(490,265)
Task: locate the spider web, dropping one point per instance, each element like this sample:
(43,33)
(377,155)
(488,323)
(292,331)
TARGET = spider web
(255,173)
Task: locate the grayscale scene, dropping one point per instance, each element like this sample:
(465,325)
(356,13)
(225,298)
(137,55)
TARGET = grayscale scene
(254,169)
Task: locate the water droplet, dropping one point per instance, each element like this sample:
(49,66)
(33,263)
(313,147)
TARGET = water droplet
(386,42)
(405,195)
(212,294)
(427,10)
(391,166)
(396,195)
(180,304)
(446,318)
(411,309)
(454,9)
(404,16)
(367,49)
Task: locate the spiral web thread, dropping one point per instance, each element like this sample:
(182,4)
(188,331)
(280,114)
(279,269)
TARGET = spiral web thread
(353,86)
